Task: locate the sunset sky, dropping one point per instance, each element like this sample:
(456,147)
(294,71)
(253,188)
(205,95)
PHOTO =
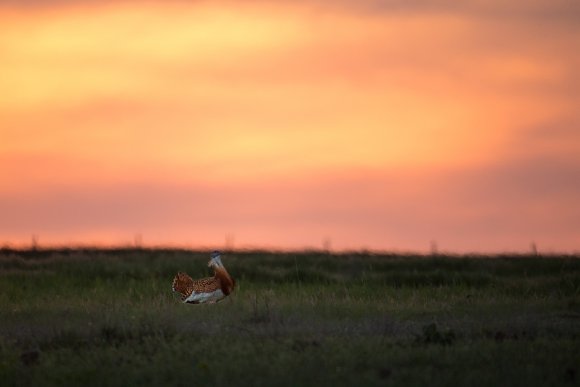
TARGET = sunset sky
(283,124)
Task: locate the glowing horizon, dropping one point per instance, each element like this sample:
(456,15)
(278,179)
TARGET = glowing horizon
(372,124)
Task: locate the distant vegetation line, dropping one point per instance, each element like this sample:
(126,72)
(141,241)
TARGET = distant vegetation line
(43,250)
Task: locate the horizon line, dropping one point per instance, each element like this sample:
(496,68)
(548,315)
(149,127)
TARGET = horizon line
(31,247)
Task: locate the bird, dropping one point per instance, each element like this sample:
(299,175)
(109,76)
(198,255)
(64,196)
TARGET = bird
(205,290)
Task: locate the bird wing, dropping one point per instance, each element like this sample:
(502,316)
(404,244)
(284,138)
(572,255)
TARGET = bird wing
(206,285)
(186,286)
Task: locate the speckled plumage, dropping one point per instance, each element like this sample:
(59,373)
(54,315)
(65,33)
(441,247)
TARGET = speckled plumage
(205,290)
(185,285)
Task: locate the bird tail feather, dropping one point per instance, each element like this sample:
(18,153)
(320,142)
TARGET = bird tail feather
(180,283)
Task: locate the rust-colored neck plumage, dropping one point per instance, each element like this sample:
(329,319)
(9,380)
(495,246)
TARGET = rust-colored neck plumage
(227,282)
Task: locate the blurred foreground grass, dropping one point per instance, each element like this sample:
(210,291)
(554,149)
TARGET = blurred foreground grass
(108,317)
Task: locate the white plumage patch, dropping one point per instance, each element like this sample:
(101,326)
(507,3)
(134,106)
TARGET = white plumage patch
(200,298)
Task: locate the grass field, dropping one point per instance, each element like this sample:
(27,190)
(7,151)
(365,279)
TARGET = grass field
(89,317)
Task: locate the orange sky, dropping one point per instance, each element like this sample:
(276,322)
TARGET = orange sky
(373,124)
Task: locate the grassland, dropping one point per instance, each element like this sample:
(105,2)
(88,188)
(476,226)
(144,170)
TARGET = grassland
(108,317)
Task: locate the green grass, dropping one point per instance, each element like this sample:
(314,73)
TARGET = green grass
(108,317)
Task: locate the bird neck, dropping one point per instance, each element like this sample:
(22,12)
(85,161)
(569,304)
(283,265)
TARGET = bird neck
(227,283)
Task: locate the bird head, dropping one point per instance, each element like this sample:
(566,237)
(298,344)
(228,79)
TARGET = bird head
(215,260)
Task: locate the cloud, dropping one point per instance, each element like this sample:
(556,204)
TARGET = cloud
(531,5)
(494,208)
